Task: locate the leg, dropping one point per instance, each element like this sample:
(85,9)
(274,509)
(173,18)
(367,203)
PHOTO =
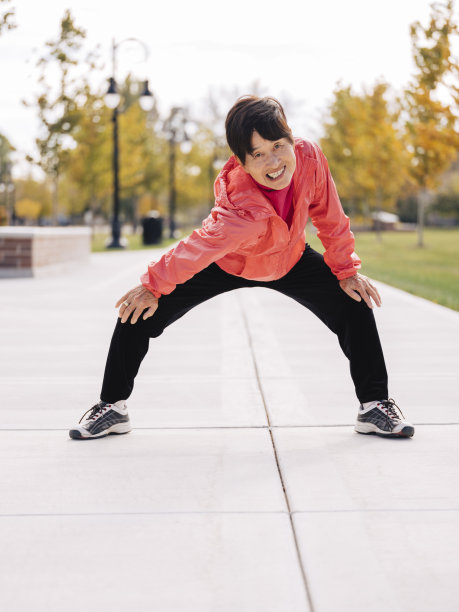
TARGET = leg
(311,283)
(129,343)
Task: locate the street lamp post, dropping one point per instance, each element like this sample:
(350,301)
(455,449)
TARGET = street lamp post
(175,127)
(112,100)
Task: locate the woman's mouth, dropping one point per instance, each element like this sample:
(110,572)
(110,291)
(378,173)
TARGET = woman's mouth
(274,176)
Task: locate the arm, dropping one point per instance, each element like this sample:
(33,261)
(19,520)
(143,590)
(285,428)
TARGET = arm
(333,229)
(333,226)
(222,232)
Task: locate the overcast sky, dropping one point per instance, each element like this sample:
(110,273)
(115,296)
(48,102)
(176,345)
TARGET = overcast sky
(297,49)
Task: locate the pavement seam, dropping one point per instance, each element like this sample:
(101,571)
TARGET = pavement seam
(141,513)
(226,512)
(213,427)
(260,387)
(365,510)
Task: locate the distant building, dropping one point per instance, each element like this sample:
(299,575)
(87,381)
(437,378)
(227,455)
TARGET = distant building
(383,220)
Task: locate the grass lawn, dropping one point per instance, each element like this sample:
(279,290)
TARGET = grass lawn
(431,272)
(99,241)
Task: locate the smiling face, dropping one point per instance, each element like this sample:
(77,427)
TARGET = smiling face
(271,162)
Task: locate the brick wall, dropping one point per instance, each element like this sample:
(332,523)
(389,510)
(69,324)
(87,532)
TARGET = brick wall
(15,252)
(24,251)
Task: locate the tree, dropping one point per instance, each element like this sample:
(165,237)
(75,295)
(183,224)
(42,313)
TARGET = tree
(6,17)
(432,124)
(37,191)
(6,182)
(142,151)
(6,149)
(88,175)
(87,178)
(28,209)
(57,110)
(364,149)
(195,175)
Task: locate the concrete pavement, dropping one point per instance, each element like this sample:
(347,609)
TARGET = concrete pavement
(243,485)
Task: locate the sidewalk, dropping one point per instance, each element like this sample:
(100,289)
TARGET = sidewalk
(243,487)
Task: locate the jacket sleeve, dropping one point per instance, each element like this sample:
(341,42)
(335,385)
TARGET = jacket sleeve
(222,232)
(333,226)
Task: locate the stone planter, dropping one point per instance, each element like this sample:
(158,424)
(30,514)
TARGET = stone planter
(33,251)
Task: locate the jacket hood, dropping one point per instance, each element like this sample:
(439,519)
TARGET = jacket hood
(231,181)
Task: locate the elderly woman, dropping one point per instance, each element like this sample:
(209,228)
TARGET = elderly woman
(254,236)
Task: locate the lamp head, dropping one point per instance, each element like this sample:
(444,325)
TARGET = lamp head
(146,99)
(112,97)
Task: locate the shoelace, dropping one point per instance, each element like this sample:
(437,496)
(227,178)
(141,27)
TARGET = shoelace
(97,410)
(389,407)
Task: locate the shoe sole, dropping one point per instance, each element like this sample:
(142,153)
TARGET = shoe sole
(118,429)
(369,429)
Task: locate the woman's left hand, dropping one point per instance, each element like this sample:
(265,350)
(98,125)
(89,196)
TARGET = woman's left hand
(359,287)
(136,301)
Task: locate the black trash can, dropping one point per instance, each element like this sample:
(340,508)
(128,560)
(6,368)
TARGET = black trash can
(152,226)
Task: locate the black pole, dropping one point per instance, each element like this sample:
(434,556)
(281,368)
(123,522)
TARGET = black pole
(116,227)
(13,204)
(172,192)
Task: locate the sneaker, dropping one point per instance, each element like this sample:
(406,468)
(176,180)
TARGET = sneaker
(383,418)
(103,419)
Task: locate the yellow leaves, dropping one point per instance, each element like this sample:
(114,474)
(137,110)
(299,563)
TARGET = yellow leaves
(146,203)
(377,155)
(432,122)
(28,209)
(366,154)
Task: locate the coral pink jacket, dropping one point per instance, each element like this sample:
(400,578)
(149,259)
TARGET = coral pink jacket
(245,236)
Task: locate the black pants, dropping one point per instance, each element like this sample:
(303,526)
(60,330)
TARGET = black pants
(310,282)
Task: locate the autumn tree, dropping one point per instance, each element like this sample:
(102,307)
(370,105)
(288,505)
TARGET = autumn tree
(142,151)
(87,179)
(211,133)
(6,183)
(33,190)
(432,122)
(198,170)
(364,148)
(57,109)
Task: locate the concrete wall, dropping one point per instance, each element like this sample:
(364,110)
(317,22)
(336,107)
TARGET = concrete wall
(30,251)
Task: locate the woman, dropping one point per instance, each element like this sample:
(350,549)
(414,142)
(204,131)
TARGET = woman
(254,237)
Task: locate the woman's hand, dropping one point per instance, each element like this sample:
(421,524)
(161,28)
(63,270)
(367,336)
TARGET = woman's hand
(136,301)
(358,287)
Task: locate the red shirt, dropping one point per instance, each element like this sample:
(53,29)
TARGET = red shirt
(281,199)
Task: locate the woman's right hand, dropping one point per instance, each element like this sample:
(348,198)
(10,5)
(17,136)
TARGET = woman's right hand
(135,302)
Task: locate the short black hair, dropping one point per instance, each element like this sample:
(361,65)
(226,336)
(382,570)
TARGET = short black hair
(249,114)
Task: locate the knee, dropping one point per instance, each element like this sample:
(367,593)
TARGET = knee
(141,328)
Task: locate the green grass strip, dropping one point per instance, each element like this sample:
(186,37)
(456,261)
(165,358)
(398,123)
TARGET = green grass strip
(431,272)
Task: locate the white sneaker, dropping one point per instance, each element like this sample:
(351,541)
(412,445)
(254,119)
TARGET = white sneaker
(383,418)
(103,419)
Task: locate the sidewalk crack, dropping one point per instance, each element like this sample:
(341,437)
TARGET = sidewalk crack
(270,429)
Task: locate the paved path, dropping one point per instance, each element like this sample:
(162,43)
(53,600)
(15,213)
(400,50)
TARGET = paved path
(242,486)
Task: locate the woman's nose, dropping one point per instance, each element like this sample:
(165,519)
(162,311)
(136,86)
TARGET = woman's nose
(274,160)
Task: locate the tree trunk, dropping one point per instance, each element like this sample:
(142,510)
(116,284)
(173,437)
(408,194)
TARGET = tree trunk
(378,212)
(55,200)
(422,203)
